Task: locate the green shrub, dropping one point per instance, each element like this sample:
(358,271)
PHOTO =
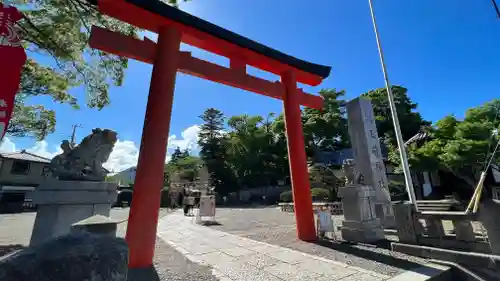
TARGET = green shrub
(286,196)
(320,194)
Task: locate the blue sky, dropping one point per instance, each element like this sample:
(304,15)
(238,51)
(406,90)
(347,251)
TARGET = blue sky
(445,52)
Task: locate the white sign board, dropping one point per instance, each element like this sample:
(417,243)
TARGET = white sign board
(325,222)
(207,206)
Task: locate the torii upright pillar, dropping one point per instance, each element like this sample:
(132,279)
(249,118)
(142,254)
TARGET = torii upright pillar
(141,230)
(297,160)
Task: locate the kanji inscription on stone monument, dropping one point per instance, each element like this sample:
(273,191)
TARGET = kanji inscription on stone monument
(367,153)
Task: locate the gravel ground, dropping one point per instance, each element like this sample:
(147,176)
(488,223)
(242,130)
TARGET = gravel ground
(15,232)
(272,226)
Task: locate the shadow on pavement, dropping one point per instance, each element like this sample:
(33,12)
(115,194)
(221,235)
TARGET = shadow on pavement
(210,223)
(9,249)
(377,256)
(143,274)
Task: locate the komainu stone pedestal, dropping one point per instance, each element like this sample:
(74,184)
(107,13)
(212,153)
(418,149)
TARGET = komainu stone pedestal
(63,203)
(360,224)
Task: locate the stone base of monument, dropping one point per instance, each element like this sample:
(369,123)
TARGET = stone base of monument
(362,232)
(63,203)
(360,224)
(383,208)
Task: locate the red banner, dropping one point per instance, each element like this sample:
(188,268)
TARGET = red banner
(12,59)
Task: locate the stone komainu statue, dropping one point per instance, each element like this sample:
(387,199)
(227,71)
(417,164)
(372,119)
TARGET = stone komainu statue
(84,162)
(351,174)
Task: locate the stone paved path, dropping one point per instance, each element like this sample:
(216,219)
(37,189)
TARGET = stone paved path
(237,258)
(270,225)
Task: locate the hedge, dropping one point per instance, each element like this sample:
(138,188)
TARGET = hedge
(318,194)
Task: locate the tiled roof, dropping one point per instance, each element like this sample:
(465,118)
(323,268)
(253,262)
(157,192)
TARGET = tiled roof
(26,156)
(419,137)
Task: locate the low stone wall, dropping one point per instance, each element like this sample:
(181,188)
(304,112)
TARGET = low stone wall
(334,207)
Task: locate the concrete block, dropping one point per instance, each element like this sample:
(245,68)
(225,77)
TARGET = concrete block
(489,212)
(406,223)
(464,230)
(63,203)
(428,272)
(362,235)
(460,257)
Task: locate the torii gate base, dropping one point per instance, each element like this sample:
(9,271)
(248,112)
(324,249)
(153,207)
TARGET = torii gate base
(143,219)
(173,27)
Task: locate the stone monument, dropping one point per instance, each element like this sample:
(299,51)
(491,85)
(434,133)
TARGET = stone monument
(360,223)
(77,189)
(368,156)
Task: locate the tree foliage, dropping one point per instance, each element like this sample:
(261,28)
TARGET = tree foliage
(251,151)
(213,151)
(56,34)
(322,177)
(461,147)
(411,121)
(182,164)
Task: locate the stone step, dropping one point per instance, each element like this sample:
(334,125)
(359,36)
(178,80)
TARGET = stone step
(467,273)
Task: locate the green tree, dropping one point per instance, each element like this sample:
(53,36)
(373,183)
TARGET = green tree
(411,121)
(460,147)
(212,142)
(186,167)
(322,177)
(56,33)
(255,152)
(179,154)
(323,129)
(326,128)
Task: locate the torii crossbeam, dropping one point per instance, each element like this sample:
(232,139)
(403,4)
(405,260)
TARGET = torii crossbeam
(173,27)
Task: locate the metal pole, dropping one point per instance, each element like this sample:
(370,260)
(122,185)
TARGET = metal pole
(397,129)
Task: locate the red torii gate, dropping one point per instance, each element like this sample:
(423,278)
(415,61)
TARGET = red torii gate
(173,27)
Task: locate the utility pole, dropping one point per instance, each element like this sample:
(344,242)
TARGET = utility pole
(74,133)
(392,105)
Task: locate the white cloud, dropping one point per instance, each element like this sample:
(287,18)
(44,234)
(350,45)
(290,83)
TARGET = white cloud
(125,153)
(40,148)
(7,145)
(189,139)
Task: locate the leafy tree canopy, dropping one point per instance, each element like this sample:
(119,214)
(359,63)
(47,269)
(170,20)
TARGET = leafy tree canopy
(56,34)
(460,147)
(411,121)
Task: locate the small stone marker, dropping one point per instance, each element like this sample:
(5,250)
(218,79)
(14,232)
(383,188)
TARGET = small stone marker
(97,224)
